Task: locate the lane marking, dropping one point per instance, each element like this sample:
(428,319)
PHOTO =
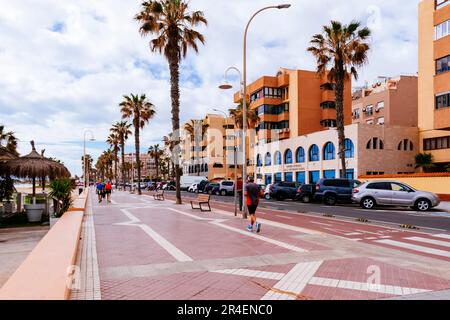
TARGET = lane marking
(414,247)
(353,234)
(252,273)
(284,217)
(444,236)
(430,241)
(322,224)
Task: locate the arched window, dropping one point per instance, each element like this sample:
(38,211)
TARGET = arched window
(406,145)
(268,160)
(329,152)
(375,143)
(288,156)
(349,149)
(300,155)
(314,153)
(259,161)
(277,158)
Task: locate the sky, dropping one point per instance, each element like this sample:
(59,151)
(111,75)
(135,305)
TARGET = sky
(65,64)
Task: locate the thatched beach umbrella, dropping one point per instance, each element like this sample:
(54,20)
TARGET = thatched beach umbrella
(34,166)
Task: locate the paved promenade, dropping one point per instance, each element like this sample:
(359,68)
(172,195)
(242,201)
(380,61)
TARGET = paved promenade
(138,248)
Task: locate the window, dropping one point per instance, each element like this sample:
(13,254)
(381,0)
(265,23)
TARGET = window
(301,177)
(380,121)
(328,105)
(350,174)
(436,143)
(369,110)
(349,149)
(268,160)
(379,186)
(278,177)
(259,161)
(375,144)
(329,123)
(329,174)
(337,183)
(277,158)
(441,3)
(443,65)
(288,177)
(272,109)
(314,177)
(442,30)
(356,114)
(329,151)
(399,187)
(268,179)
(443,101)
(314,153)
(380,106)
(288,157)
(369,122)
(405,145)
(300,155)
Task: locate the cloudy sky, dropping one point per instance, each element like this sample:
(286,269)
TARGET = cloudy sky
(65,64)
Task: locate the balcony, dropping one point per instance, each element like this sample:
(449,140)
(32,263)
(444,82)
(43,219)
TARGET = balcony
(328,114)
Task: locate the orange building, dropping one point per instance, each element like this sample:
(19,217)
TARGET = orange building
(434,80)
(294,103)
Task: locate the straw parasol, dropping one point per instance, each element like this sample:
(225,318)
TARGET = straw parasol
(34,166)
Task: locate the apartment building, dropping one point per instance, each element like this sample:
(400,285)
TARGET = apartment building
(148,167)
(389,101)
(434,80)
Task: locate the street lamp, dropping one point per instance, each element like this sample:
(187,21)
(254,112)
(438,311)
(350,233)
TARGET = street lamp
(244,98)
(86,179)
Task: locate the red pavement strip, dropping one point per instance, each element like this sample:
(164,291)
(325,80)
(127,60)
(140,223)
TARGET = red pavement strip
(137,234)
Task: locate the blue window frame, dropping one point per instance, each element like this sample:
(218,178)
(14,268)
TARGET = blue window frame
(268,179)
(314,177)
(288,156)
(268,160)
(301,177)
(350,174)
(288,177)
(314,153)
(277,158)
(329,174)
(278,177)
(329,151)
(259,161)
(300,155)
(349,149)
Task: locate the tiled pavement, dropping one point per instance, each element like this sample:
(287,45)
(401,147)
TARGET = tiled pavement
(157,250)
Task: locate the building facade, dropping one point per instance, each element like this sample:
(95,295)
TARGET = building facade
(434,80)
(148,167)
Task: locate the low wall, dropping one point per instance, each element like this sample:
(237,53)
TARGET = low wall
(438,183)
(45,273)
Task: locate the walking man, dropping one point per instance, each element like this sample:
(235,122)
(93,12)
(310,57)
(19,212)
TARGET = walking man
(108,190)
(100,189)
(252,193)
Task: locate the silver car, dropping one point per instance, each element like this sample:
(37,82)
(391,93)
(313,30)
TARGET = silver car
(393,193)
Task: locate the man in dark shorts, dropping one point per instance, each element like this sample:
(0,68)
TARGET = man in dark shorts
(252,193)
(108,189)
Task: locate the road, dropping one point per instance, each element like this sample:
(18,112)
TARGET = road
(434,219)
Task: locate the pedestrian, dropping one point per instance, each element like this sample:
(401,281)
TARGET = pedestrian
(252,193)
(108,190)
(100,189)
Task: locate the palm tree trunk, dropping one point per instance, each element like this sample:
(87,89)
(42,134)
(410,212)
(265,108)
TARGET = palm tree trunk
(123,161)
(340,118)
(138,156)
(115,166)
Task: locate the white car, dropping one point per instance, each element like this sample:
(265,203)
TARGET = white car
(267,192)
(192,188)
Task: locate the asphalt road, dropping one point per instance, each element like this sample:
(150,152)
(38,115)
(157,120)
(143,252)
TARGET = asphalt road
(434,219)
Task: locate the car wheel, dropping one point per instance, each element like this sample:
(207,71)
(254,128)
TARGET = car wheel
(223,193)
(330,200)
(267,196)
(306,199)
(368,203)
(423,205)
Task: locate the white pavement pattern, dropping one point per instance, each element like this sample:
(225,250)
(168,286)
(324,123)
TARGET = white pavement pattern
(252,273)
(293,283)
(415,247)
(87,262)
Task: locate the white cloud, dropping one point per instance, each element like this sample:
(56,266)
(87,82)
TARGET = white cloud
(66,64)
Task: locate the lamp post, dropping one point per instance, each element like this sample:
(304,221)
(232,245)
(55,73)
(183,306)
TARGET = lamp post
(86,178)
(244,98)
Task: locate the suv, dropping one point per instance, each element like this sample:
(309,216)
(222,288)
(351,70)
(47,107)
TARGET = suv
(305,193)
(332,191)
(209,188)
(201,186)
(284,190)
(393,193)
(226,187)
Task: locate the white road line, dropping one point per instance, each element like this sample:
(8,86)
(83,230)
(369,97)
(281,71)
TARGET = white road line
(416,247)
(252,273)
(363,231)
(284,217)
(430,241)
(165,244)
(364,286)
(294,281)
(322,224)
(262,238)
(443,236)
(353,234)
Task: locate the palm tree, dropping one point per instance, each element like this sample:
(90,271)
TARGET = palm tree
(424,161)
(88,162)
(114,142)
(140,111)
(237,116)
(172,26)
(197,130)
(156,153)
(122,130)
(10,140)
(342,49)
(169,143)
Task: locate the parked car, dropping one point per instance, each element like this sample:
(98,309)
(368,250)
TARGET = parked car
(305,193)
(284,190)
(201,186)
(332,191)
(192,188)
(186,181)
(267,192)
(226,187)
(393,193)
(262,189)
(209,188)
(171,185)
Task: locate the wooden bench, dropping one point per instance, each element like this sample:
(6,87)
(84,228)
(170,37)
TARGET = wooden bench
(202,199)
(159,195)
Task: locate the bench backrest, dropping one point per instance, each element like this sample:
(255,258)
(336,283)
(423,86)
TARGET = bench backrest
(203,197)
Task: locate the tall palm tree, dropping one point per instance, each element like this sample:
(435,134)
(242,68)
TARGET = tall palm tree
(169,143)
(114,142)
(171,24)
(156,153)
(88,163)
(140,111)
(9,139)
(238,113)
(122,129)
(197,130)
(342,49)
